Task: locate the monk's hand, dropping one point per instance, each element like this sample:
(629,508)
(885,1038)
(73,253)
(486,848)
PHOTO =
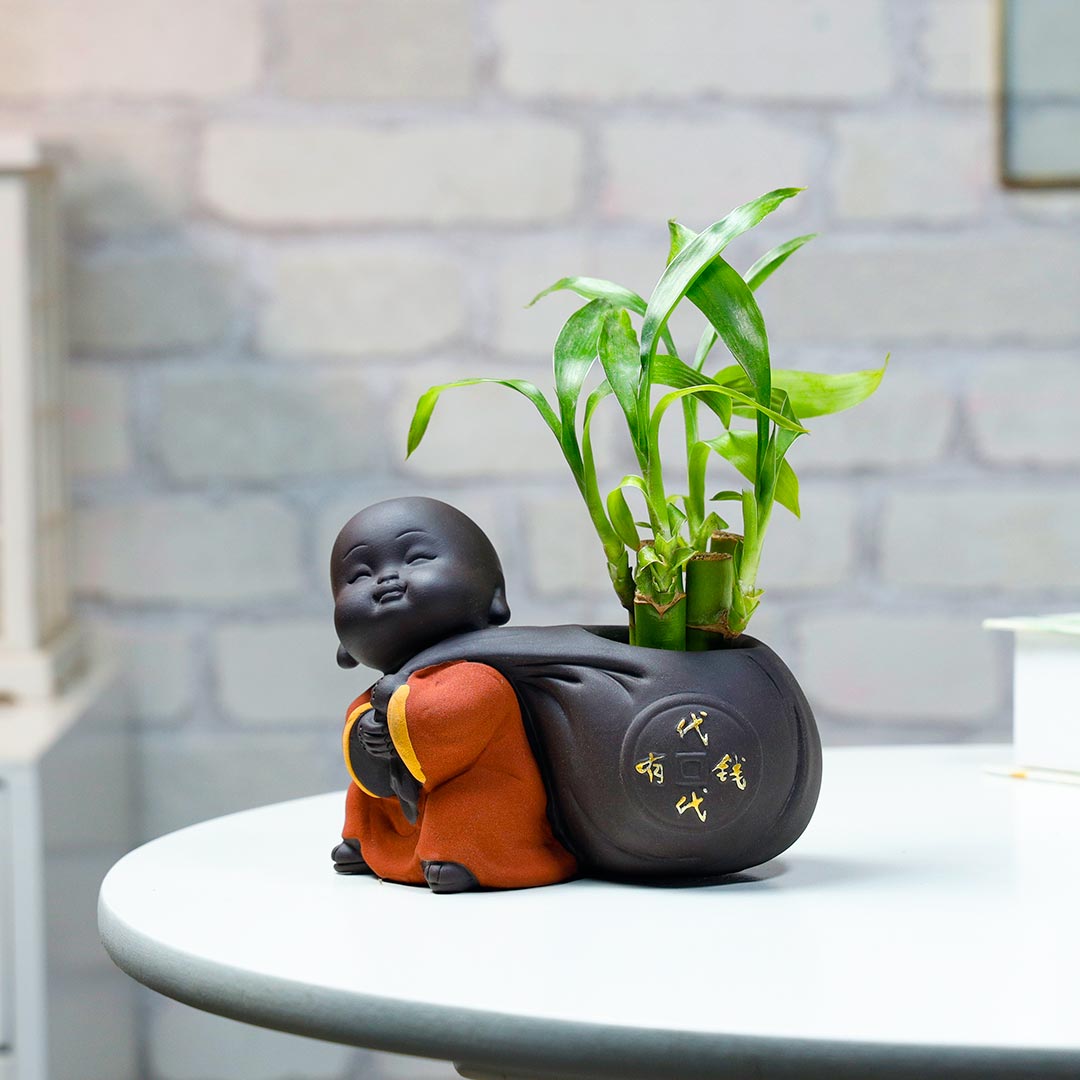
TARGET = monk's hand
(374,735)
(384,690)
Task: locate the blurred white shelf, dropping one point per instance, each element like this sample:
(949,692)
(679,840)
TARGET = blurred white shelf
(1046,690)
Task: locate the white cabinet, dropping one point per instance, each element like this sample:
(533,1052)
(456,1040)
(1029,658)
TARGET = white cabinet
(65,810)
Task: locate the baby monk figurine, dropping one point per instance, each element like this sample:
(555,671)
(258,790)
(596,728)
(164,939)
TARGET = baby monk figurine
(446,791)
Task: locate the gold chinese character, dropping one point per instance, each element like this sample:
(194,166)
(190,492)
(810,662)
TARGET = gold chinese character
(730,764)
(684,726)
(694,804)
(652,768)
(737,776)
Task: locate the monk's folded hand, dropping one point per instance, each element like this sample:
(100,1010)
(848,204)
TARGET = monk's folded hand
(374,734)
(383,691)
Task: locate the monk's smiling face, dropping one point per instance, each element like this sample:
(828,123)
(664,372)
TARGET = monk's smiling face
(408,573)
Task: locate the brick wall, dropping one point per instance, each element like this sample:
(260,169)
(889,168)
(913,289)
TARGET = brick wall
(288,217)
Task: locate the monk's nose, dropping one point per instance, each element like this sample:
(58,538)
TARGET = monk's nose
(390,575)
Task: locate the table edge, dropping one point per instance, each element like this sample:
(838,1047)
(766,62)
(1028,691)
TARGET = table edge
(551,1048)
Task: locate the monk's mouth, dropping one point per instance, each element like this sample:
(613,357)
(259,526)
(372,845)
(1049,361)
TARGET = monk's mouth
(387,594)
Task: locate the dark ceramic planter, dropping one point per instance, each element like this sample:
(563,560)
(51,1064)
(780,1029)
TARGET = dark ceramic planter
(659,765)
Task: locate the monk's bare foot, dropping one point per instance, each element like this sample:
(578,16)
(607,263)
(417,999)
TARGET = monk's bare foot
(348,860)
(448,877)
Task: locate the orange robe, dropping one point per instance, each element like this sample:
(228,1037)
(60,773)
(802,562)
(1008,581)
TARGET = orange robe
(458,729)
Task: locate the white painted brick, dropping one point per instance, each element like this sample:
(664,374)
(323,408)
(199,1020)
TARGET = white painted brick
(199,49)
(72,881)
(468,170)
(1060,207)
(187,1044)
(530,264)
(97,431)
(772,624)
(353,302)
(127,177)
(914,166)
(375,50)
(1009,536)
(958,46)
(811,552)
(874,665)
(1022,410)
(285,671)
(565,554)
(803,49)
(158,666)
(593,609)
(733,161)
(120,174)
(959,288)
(148,303)
(183,549)
(477,431)
(92,1029)
(89,778)
(907,421)
(257,425)
(191,776)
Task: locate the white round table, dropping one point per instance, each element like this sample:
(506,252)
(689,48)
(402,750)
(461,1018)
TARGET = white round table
(927,924)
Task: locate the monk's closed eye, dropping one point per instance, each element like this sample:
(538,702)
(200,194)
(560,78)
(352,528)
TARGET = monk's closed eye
(418,556)
(360,572)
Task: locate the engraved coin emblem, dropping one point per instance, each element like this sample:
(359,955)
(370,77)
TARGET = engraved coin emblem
(691,763)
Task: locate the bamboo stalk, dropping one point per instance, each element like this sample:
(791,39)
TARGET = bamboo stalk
(710,583)
(660,626)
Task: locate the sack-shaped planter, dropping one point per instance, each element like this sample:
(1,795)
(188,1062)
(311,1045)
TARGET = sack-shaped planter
(658,764)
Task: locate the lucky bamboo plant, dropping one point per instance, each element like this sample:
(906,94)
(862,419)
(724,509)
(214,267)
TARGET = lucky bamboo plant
(693,581)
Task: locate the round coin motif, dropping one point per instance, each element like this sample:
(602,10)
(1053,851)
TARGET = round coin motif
(691,763)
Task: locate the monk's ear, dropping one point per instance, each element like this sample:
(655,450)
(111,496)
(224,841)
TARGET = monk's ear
(500,610)
(344,659)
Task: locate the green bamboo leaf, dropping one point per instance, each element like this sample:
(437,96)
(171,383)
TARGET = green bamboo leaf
(739,448)
(772,260)
(727,302)
(704,347)
(656,497)
(727,496)
(760,272)
(671,371)
(813,393)
(647,556)
(704,390)
(599,289)
(713,523)
(619,512)
(776,467)
(426,406)
(784,436)
(680,237)
(691,263)
(574,354)
(676,518)
(596,289)
(619,357)
(697,461)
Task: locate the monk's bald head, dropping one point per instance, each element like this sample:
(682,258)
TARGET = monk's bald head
(407,573)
